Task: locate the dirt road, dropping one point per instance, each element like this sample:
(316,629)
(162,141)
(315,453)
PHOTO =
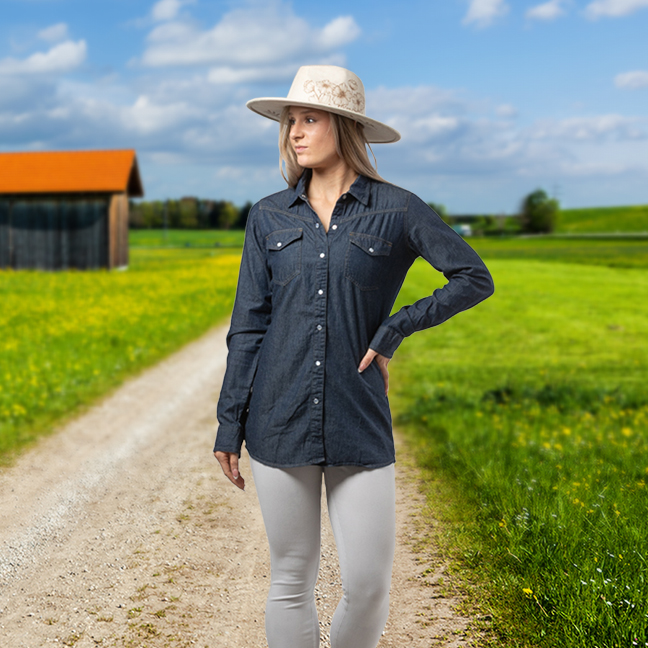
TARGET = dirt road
(119,531)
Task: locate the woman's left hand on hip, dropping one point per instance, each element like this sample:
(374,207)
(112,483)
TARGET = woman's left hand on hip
(382,363)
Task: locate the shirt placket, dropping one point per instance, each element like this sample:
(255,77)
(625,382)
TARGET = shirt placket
(321,287)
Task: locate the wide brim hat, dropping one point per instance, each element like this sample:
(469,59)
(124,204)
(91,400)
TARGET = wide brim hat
(331,88)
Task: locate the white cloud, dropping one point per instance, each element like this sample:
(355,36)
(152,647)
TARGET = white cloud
(590,129)
(632,80)
(614,8)
(546,11)
(54,33)
(61,58)
(484,12)
(168,9)
(247,40)
(506,110)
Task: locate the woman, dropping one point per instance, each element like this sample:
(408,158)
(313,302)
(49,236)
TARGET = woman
(309,346)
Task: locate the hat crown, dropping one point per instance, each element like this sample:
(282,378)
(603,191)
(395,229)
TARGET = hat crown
(328,85)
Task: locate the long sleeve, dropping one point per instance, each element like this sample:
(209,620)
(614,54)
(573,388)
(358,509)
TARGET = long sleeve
(250,321)
(469,281)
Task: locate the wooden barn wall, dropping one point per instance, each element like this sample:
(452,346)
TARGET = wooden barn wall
(54,234)
(118,231)
(5,240)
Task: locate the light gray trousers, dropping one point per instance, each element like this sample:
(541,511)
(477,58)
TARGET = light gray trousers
(361,504)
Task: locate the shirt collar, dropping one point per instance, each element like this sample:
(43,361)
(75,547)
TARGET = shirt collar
(360,189)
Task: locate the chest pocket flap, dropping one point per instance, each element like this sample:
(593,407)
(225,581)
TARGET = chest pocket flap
(284,254)
(371,244)
(279,239)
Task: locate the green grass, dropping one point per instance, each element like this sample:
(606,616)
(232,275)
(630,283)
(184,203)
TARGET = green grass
(185,238)
(604,220)
(70,336)
(532,408)
(613,253)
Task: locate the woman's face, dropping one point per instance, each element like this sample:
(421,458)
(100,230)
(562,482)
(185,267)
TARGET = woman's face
(312,138)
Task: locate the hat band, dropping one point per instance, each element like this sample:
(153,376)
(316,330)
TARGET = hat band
(346,95)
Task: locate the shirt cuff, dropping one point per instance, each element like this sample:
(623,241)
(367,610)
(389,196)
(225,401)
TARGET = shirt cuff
(229,438)
(386,341)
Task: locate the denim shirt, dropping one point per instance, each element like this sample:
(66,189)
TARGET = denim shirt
(310,303)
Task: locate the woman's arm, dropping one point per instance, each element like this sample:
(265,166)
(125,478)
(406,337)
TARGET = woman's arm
(469,281)
(250,320)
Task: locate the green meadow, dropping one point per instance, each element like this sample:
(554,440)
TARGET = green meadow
(527,414)
(531,409)
(69,337)
(607,220)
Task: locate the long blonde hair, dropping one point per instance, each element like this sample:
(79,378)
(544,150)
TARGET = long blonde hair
(350,143)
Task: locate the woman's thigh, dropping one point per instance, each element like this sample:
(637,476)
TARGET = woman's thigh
(362,507)
(290,500)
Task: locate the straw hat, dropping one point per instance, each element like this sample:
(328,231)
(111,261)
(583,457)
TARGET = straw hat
(330,88)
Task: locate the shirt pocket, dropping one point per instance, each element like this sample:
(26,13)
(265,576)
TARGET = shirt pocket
(284,254)
(366,260)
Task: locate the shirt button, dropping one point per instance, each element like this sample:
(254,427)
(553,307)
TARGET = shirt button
(303,196)
(319,327)
(371,250)
(315,400)
(317,363)
(320,292)
(322,255)
(278,244)
(334,227)
(316,225)
(344,196)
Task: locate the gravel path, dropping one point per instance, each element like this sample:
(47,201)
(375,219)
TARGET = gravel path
(118,530)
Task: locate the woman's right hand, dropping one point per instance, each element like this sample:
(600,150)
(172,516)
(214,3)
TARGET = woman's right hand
(229,464)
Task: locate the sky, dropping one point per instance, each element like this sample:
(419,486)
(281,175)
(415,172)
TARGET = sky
(493,98)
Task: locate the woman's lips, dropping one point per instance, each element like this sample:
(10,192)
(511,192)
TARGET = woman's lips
(299,149)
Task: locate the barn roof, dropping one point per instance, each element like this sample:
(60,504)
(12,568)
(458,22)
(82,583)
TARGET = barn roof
(53,172)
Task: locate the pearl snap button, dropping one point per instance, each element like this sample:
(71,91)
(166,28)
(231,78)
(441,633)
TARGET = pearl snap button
(278,244)
(322,255)
(319,327)
(371,250)
(318,363)
(320,292)
(334,227)
(315,400)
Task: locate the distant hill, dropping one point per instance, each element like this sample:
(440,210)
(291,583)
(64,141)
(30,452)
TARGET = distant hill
(603,220)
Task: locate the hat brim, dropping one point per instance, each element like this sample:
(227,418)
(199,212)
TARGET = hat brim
(376,132)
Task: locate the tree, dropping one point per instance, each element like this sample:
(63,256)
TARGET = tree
(442,211)
(228,216)
(539,213)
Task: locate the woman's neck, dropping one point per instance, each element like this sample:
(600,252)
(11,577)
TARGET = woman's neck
(329,184)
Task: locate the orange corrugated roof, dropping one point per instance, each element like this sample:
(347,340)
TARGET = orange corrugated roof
(70,172)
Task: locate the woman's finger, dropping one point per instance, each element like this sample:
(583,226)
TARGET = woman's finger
(229,463)
(367,360)
(382,363)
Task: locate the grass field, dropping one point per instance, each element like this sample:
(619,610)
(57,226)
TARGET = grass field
(529,412)
(149,238)
(614,253)
(70,336)
(532,410)
(604,220)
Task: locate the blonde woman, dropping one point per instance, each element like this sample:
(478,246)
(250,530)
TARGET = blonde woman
(309,345)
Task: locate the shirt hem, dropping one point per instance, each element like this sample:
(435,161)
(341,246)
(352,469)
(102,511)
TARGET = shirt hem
(272,464)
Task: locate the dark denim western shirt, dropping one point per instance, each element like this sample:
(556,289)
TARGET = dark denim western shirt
(309,304)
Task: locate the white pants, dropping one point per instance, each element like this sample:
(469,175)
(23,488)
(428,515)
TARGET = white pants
(361,503)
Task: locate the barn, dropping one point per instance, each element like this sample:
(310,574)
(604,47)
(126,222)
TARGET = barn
(61,210)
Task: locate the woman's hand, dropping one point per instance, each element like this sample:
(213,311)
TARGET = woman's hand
(382,362)
(229,464)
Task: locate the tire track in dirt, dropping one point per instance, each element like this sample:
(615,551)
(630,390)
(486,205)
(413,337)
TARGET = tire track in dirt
(118,530)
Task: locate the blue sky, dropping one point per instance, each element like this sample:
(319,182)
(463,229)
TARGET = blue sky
(494,98)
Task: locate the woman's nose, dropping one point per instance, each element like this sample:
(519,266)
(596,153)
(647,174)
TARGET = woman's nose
(295,132)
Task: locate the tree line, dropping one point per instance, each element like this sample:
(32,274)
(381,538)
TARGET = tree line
(538,214)
(188,213)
